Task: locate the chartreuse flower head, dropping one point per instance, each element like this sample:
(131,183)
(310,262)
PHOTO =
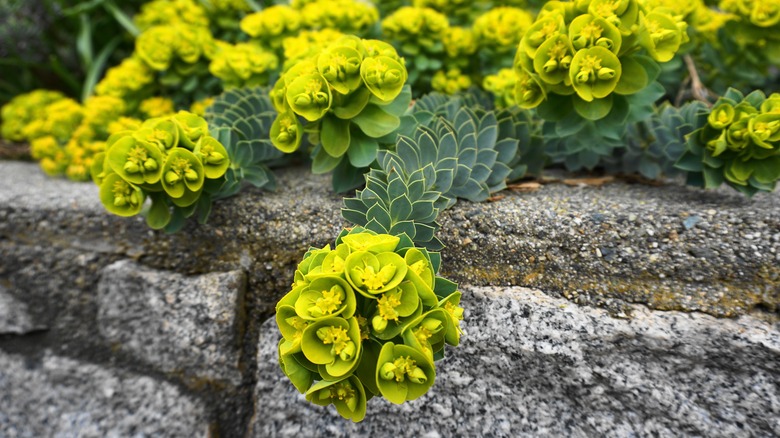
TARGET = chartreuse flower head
(340,66)
(292,326)
(286,132)
(529,92)
(403,373)
(271,25)
(371,242)
(309,96)
(738,143)
(347,395)
(334,344)
(324,297)
(553,60)
(590,31)
(137,162)
(384,76)
(594,73)
(372,274)
(427,332)
(183,176)
(191,128)
(662,37)
(451,305)
(120,197)
(394,308)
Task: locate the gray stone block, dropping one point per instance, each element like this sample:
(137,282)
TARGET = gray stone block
(14,316)
(533,365)
(175,323)
(61,397)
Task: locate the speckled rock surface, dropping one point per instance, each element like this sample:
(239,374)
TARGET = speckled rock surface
(14,316)
(59,397)
(533,365)
(180,324)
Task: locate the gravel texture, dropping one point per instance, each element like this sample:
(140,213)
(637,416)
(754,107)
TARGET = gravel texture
(533,365)
(59,397)
(179,324)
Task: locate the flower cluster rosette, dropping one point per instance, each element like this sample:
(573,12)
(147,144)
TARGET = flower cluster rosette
(172,160)
(272,25)
(589,50)
(498,32)
(243,65)
(418,33)
(365,319)
(451,81)
(460,12)
(351,95)
(348,16)
(64,135)
(24,109)
(590,67)
(502,86)
(164,12)
(739,144)
(131,80)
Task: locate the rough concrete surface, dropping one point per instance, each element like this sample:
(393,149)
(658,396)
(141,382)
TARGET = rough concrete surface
(533,365)
(59,397)
(176,323)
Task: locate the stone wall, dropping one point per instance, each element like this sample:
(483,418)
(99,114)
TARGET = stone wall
(589,311)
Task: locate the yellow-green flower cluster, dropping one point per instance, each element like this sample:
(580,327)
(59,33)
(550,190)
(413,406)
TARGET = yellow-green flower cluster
(24,109)
(458,11)
(450,82)
(739,144)
(124,124)
(49,154)
(177,45)
(501,29)
(459,44)
(89,138)
(366,318)
(348,16)
(58,120)
(156,107)
(129,80)
(420,27)
(199,107)
(586,48)
(419,35)
(244,65)
(756,26)
(307,44)
(340,80)
(272,25)
(165,12)
(502,86)
(168,158)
